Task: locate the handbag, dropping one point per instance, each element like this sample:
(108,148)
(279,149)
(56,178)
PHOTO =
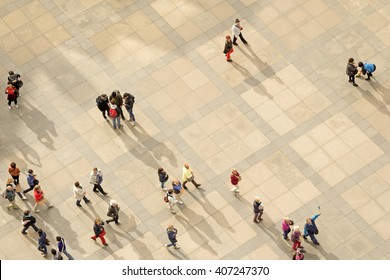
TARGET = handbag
(47,242)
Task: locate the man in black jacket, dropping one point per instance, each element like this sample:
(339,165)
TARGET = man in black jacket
(27,221)
(113,211)
(102,104)
(351,71)
(129,103)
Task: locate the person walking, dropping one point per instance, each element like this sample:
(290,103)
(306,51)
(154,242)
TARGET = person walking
(79,194)
(116,95)
(286,223)
(162,177)
(234,179)
(28,220)
(99,231)
(188,176)
(296,238)
(9,194)
(129,104)
(16,188)
(228,49)
(311,229)
(62,247)
(42,242)
(14,171)
(40,199)
(298,255)
(96,179)
(103,106)
(168,198)
(172,233)
(258,210)
(14,79)
(56,255)
(177,190)
(368,68)
(32,181)
(351,71)
(12,95)
(236,31)
(115,114)
(113,212)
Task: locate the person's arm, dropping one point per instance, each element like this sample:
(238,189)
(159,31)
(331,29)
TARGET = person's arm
(315,216)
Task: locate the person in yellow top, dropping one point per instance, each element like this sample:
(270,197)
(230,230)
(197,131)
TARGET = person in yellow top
(188,176)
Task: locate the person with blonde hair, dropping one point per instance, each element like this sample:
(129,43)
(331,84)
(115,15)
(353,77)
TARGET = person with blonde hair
(172,233)
(40,199)
(286,223)
(258,210)
(99,231)
(235,177)
(177,190)
(9,194)
(188,176)
(296,238)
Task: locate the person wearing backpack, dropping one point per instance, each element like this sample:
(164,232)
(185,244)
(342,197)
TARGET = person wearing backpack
(28,220)
(103,105)
(113,212)
(32,181)
(129,104)
(177,190)
(115,112)
(168,198)
(96,179)
(12,95)
(9,194)
(62,247)
(162,177)
(116,95)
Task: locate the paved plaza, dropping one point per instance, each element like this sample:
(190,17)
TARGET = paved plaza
(282,113)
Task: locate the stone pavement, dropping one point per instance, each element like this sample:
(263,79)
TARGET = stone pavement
(282,113)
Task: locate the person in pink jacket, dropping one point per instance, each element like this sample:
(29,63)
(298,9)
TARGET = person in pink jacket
(286,223)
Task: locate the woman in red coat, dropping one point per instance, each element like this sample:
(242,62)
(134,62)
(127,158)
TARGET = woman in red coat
(234,179)
(40,199)
(12,95)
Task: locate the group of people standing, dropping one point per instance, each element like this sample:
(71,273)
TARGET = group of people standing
(112,107)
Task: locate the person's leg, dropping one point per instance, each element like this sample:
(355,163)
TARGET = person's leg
(95,188)
(195,183)
(48,203)
(228,55)
(285,232)
(9,104)
(132,117)
(184,185)
(110,220)
(100,189)
(114,120)
(69,256)
(16,103)
(123,116)
(101,236)
(256,217)
(313,238)
(28,190)
(16,180)
(116,219)
(260,214)
(119,121)
(78,203)
(234,40)
(353,81)
(35,227)
(242,38)
(86,200)
(104,114)
(368,76)
(35,208)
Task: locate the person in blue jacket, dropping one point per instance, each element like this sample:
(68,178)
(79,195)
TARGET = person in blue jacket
(42,242)
(311,229)
(172,232)
(368,68)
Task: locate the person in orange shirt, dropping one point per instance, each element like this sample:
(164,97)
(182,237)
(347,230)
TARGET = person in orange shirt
(14,171)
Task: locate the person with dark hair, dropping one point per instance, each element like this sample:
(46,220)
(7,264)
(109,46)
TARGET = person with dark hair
(172,233)
(42,242)
(28,220)
(12,95)
(56,255)
(113,212)
(236,31)
(129,104)
(351,71)
(99,231)
(258,210)
(32,181)
(162,177)
(368,68)
(115,112)
(14,171)
(228,49)
(103,106)
(14,79)
(116,95)
(62,247)
(79,194)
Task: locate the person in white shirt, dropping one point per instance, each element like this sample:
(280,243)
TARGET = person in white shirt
(236,31)
(96,179)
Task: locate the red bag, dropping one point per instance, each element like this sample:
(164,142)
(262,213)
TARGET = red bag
(113,113)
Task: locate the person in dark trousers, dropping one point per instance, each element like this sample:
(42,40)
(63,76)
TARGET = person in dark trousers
(162,177)
(172,233)
(286,226)
(16,188)
(12,95)
(258,210)
(42,242)
(228,50)
(115,112)
(28,220)
(102,104)
(188,176)
(96,179)
(351,71)
(62,247)
(79,194)
(116,95)
(99,231)
(32,181)
(9,194)
(129,104)
(368,68)
(236,31)
(14,79)
(311,229)
(113,212)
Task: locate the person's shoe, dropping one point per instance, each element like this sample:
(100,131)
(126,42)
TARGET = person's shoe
(166,245)
(24,198)
(133,123)
(16,208)
(300,247)
(245,42)
(17,106)
(355,85)
(78,205)
(350,81)
(198,185)
(164,189)
(23,232)
(87,201)
(367,79)
(233,189)
(107,221)
(237,191)
(9,206)
(176,247)
(173,212)
(114,127)
(180,202)
(37,211)
(93,238)
(255,221)
(95,190)
(235,44)
(105,244)
(50,206)
(316,243)
(185,187)
(105,193)
(9,107)
(304,237)
(229,60)
(117,223)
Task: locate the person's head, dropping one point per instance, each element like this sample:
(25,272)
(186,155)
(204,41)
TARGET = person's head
(296,228)
(98,221)
(186,165)
(13,164)
(95,170)
(351,60)
(113,101)
(9,187)
(175,182)
(228,38)
(26,212)
(171,227)
(360,64)
(257,199)
(37,188)
(234,171)
(308,220)
(31,172)
(103,96)
(287,219)
(58,238)
(77,184)
(9,181)
(113,202)
(126,95)
(170,191)
(237,21)
(53,251)
(11,73)
(40,231)
(113,94)
(160,170)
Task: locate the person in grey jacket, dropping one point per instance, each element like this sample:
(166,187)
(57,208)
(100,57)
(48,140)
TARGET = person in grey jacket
(113,212)
(351,71)
(129,104)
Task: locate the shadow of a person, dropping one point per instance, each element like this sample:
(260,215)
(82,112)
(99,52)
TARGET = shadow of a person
(374,101)
(383,91)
